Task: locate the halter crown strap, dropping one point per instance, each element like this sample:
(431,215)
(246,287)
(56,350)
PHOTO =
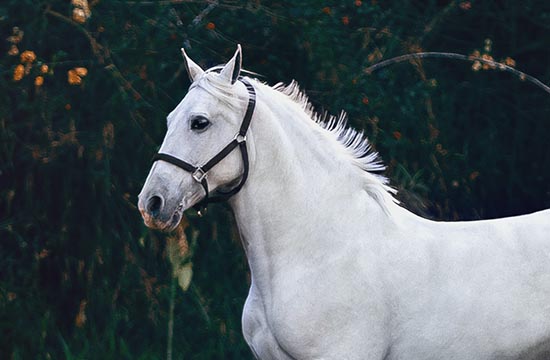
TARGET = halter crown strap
(200,173)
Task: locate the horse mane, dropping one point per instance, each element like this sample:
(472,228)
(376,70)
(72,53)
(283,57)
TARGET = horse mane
(354,142)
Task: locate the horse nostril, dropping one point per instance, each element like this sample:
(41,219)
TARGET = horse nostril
(153,205)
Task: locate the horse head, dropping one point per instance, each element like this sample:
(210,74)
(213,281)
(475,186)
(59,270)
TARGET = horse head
(196,156)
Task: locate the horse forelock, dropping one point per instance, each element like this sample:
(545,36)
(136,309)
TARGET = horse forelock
(211,82)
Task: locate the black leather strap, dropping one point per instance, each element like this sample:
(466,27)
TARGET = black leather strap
(249,108)
(174,160)
(224,195)
(200,173)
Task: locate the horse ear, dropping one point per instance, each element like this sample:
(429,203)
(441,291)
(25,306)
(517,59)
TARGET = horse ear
(193,70)
(232,69)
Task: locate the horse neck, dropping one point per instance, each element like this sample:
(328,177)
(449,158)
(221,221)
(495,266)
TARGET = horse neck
(301,185)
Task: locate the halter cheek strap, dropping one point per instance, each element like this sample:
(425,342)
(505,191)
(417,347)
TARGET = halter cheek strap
(200,173)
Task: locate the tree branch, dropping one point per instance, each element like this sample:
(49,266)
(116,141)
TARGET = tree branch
(97,49)
(103,56)
(494,64)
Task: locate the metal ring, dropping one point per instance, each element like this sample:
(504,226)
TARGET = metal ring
(240,138)
(199,175)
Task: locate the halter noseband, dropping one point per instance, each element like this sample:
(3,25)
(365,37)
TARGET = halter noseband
(200,173)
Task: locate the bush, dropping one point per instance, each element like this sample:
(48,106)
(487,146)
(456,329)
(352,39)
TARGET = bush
(87,87)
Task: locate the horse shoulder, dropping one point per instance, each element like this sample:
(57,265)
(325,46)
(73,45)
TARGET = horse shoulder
(334,311)
(330,308)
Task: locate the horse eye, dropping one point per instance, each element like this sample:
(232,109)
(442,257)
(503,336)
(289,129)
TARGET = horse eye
(199,123)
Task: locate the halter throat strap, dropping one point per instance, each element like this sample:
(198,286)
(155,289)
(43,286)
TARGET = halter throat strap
(200,173)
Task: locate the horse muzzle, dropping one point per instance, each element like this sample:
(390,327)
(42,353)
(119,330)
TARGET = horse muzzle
(162,214)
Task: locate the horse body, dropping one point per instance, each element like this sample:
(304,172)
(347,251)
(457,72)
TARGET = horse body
(471,290)
(365,285)
(338,269)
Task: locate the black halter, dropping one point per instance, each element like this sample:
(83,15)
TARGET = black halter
(200,173)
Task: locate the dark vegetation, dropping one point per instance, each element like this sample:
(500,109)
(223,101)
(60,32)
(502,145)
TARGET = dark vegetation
(83,110)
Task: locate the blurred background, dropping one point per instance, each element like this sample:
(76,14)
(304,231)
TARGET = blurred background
(85,89)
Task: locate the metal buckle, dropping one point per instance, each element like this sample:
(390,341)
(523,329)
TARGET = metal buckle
(199,175)
(240,138)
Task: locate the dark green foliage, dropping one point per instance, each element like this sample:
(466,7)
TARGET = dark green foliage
(82,278)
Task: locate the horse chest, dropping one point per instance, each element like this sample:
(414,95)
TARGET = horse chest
(277,329)
(257,330)
(325,323)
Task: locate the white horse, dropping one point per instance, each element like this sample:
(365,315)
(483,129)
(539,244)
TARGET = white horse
(339,269)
